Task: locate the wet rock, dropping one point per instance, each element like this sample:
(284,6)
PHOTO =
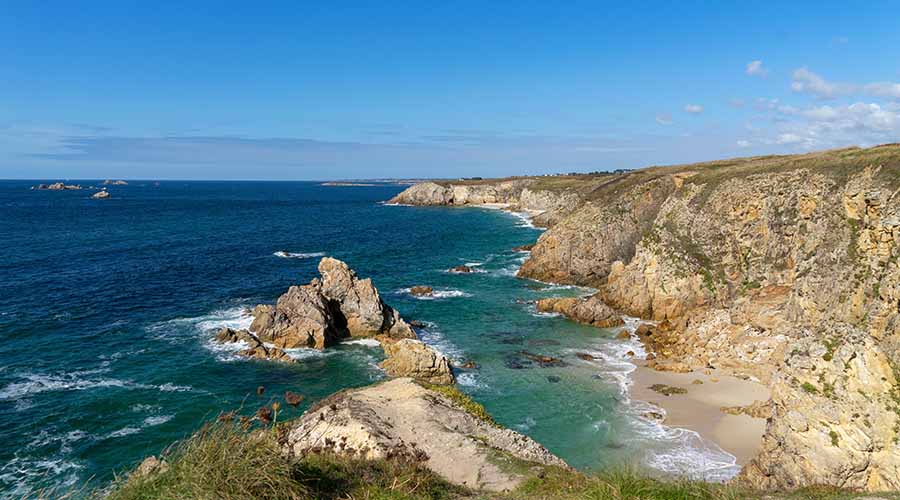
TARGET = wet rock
(667,390)
(553,379)
(523,248)
(469,365)
(585,356)
(421,290)
(461,269)
(544,361)
(101,195)
(293,398)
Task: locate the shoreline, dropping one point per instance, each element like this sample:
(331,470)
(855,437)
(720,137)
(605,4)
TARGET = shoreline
(699,409)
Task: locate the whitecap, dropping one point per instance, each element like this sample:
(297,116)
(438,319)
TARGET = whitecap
(169,387)
(157,420)
(469,379)
(436,294)
(364,342)
(298,255)
(541,314)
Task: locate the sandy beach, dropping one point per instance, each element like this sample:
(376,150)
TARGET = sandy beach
(699,408)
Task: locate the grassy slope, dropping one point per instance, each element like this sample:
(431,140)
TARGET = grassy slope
(837,164)
(222,461)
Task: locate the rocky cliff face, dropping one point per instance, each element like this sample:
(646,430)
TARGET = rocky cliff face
(780,269)
(784,269)
(403,418)
(519,194)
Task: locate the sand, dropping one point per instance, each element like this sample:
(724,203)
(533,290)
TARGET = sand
(699,409)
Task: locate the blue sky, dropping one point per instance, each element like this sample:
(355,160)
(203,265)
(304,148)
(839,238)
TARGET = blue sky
(295,90)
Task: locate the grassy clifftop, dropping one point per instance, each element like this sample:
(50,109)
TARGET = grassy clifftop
(222,461)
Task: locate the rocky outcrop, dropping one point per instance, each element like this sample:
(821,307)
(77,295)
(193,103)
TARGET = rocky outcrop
(546,206)
(421,291)
(101,195)
(591,310)
(256,349)
(57,186)
(109,182)
(336,306)
(402,418)
(412,358)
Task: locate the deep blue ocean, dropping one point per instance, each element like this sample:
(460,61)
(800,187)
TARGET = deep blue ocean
(107,308)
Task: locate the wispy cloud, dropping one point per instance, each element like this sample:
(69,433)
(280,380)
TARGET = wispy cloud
(664,119)
(694,109)
(756,68)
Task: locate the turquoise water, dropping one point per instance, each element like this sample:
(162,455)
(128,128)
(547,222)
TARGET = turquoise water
(107,309)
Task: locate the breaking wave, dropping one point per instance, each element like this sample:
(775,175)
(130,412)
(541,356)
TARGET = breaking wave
(298,255)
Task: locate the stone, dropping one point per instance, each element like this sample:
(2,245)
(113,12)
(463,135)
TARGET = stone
(461,269)
(421,290)
(101,195)
(150,466)
(401,418)
(415,359)
(591,310)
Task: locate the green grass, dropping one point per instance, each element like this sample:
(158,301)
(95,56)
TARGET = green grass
(463,400)
(224,462)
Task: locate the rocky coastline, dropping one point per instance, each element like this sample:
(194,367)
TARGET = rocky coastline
(782,270)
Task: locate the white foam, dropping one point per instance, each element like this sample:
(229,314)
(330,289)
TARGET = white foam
(148,422)
(436,294)
(299,353)
(469,379)
(434,338)
(365,342)
(36,383)
(540,314)
(298,255)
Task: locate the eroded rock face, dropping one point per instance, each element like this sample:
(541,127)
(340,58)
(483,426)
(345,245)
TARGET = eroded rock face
(400,417)
(412,358)
(320,314)
(590,311)
(834,417)
(256,349)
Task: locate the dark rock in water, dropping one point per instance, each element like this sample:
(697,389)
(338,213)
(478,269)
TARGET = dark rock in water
(416,323)
(469,365)
(260,390)
(523,248)
(615,445)
(553,379)
(512,340)
(585,356)
(293,398)
(543,342)
(623,335)
(597,376)
(461,269)
(421,290)
(545,361)
(515,362)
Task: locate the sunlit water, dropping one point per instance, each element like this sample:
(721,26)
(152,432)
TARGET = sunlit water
(107,308)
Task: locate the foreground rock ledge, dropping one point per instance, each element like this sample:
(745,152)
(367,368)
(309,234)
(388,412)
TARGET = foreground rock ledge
(401,417)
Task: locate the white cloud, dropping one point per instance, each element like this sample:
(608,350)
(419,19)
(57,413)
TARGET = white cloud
(820,127)
(664,119)
(694,109)
(888,90)
(806,81)
(743,144)
(755,68)
(788,138)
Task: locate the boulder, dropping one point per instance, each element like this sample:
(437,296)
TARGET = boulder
(100,195)
(592,310)
(461,269)
(401,418)
(413,358)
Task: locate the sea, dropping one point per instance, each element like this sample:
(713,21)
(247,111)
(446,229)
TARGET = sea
(108,309)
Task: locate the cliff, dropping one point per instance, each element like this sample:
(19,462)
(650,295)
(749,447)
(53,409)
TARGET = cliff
(780,268)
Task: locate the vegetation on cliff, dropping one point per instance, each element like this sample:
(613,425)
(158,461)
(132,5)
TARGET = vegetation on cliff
(223,461)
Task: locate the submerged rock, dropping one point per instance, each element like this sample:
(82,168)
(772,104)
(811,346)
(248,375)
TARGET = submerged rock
(402,418)
(58,186)
(461,269)
(413,358)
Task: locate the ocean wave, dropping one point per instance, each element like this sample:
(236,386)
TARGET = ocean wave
(469,379)
(364,342)
(541,314)
(436,294)
(148,422)
(36,383)
(435,338)
(298,255)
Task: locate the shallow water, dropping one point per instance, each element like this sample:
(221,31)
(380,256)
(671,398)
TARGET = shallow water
(107,309)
